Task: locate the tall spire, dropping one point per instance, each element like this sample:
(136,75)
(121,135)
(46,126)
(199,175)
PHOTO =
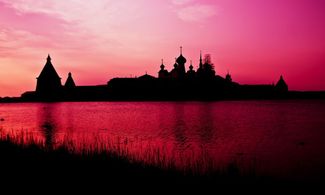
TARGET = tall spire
(181,50)
(48,57)
(201,61)
(228,76)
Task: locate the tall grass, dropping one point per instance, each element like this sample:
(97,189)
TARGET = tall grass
(95,146)
(114,156)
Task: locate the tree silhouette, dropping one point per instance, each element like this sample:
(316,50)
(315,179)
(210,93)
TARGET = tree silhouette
(208,65)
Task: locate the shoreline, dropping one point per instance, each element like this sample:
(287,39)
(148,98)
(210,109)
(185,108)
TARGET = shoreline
(291,95)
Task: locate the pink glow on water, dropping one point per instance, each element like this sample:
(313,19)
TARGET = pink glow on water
(273,138)
(256,40)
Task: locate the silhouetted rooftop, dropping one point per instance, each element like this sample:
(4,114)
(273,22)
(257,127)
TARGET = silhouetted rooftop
(181,59)
(146,76)
(281,85)
(69,83)
(48,70)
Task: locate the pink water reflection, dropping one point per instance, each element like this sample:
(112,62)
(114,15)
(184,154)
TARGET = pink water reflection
(273,138)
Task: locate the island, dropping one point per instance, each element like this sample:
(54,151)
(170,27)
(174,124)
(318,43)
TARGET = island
(178,84)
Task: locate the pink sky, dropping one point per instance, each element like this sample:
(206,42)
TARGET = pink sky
(255,40)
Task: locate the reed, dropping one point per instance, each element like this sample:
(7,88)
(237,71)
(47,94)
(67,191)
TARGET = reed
(114,158)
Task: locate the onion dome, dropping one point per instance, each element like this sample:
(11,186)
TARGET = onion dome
(191,66)
(162,66)
(181,59)
(175,65)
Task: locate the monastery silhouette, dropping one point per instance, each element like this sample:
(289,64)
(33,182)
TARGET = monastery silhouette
(178,84)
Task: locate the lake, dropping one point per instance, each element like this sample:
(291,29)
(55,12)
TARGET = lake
(282,139)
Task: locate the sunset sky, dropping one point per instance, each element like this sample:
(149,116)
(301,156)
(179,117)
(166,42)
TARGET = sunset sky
(97,40)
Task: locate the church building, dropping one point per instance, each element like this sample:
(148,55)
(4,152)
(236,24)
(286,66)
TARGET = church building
(48,82)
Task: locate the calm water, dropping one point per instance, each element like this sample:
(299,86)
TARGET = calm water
(278,138)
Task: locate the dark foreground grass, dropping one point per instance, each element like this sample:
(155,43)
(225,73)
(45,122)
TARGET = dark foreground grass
(34,162)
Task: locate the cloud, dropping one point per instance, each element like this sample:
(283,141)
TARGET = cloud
(98,14)
(197,12)
(70,26)
(100,20)
(194,10)
(181,2)
(14,41)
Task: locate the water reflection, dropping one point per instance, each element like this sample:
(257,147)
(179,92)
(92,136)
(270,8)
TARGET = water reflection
(70,120)
(179,126)
(275,137)
(206,125)
(48,120)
